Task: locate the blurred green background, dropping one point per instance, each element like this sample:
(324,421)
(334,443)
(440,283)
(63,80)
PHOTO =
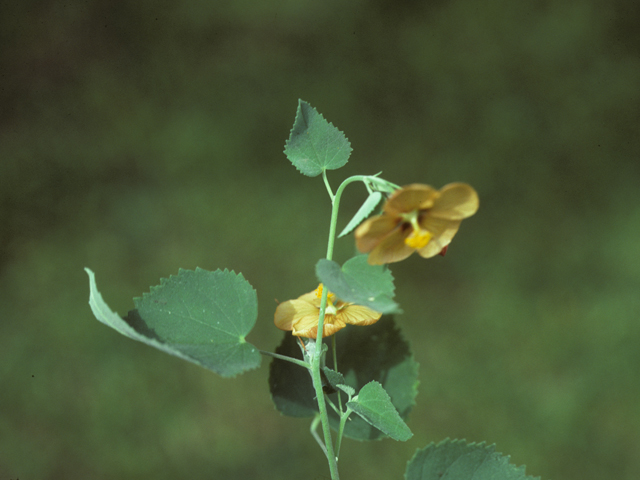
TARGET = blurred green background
(141,137)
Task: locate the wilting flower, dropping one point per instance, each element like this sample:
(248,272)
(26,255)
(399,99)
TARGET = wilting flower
(301,315)
(416,218)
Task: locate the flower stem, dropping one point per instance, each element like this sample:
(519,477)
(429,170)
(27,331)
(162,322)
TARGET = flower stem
(316,360)
(334,211)
(317,386)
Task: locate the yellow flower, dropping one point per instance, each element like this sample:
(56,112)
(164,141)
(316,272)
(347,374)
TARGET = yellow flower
(301,315)
(416,218)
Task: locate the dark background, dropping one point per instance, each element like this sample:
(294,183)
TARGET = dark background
(140,137)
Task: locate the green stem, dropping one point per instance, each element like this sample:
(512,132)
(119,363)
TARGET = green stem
(326,184)
(312,429)
(335,367)
(317,386)
(316,360)
(343,421)
(286,359)
(334,211)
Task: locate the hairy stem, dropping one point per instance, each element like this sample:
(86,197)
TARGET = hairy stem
(286,359)
(316,360)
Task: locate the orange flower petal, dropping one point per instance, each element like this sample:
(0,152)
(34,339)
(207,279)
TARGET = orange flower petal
(409,198)
(359,315)
(439,227)
(371,232)
(443,232)
(289,312)
(391,249)
(301,316)
(312,298)
(456,202)
(388,237)
(308,327)
(431,250)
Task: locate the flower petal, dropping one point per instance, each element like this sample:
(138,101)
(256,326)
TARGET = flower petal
(290,312)
(443,232)
(372,231)
(412,197)
(391,249)
(359,315)
(456,201)
(312,298)
(308,326)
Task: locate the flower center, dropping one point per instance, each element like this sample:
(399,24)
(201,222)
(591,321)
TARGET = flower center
(419,237)
(330,309)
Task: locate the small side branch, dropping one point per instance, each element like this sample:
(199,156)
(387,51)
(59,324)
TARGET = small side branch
(314,433)
(286,359)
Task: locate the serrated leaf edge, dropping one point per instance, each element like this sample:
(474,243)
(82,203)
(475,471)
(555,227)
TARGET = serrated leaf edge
(491,450)
(385,399)
(288,141)
(121,326)
(181,271)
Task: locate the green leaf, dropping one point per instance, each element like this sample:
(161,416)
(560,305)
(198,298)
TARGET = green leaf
(375,352)
(456,459)
(332,377)
(363,212)
(315,145)
(347,389)
(202,317)
(374,405)
(360,283)
(290,385)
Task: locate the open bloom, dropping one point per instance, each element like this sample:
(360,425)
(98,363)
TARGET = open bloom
(301,315)
(416,218)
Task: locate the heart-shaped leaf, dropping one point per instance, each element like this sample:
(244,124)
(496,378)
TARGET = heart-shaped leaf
(199,316)
(315,145)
